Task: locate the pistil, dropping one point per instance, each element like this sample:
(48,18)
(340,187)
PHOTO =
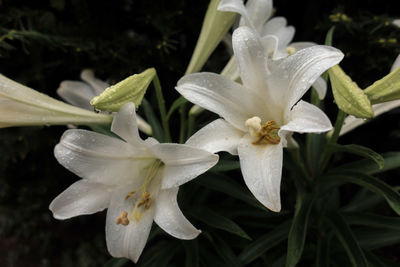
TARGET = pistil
(265,134)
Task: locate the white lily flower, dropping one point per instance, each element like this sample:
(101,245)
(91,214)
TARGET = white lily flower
(261,114)
(136,180)
(80,93)
(23,106)
(396,22)
(351,122)
(276,35)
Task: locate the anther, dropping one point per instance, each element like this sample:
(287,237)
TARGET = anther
(122,219)
(291,50)
(130,194)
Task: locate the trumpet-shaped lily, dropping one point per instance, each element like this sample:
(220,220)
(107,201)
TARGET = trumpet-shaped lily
(80,93)
(136,180)
(260,115)
(23,106)
(351,122)
(276,36)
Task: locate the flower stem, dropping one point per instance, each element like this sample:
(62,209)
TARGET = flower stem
(182,131)
(333,139)
(161,105)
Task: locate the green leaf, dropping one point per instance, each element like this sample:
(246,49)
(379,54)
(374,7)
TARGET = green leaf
(215,25)
(372,220)
(116,262)
(265,242)
(348,240)
(329,36)
(374,260)
(226,165)
(385,89)
(160,254)
(224,250)
(192,252)
(389,193)
(361,151)
(323,249)
(177,103)
(153,121)
(391,161)
(298,230)
(218,221)
(227,185)
(348,96)
(362,201)
(131,89)
(373,238)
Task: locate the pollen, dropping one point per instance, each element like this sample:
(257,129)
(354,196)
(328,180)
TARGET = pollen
(122,219)
(265,134)
(130,194)
(291,50)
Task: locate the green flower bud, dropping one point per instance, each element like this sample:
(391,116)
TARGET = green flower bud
(385,89)
(216,24)
(131,89)
(348,96)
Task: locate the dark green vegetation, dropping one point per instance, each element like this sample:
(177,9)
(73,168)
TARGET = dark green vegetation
(338,219)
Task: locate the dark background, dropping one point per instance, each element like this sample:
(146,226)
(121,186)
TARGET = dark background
(45,42)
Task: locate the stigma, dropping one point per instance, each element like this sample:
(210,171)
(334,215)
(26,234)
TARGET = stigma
(266,133)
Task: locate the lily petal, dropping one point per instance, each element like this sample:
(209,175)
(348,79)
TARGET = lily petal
(125,125)
(296,73)
(307,118)
(100,158)
(259,12)
(236,6)
(220,95)
(99,86)
(396,63)
(301,45)
(76,93)
(170,218)
(82,197)
(127,241)
(351,122)
(217,136)
(321,87)
(251,59)
(182,162)
(262,170)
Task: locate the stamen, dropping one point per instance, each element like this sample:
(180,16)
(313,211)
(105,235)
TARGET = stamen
(254,125)
(266,134)
(291,50)
(122,219)
(130,194)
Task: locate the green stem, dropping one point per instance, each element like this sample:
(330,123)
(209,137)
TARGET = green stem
(182,112)
(191,122)
(333,139)
(161,105)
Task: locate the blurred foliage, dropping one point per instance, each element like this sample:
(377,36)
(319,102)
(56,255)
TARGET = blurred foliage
(45,42)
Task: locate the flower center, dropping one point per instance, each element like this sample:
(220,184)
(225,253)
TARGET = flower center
(143,202)
(266,133)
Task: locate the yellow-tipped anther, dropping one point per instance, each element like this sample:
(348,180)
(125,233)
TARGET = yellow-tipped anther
(122,219)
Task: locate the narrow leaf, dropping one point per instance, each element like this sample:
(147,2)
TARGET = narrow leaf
(323,249)
(218,221)
(372,220)
(389,193)
(361,151)
(224,250)
(226,165)
(348,96)
(298,230)
(175,105)
(373,238)
(192,252)
(391,159)
(265,242)
(227,185)
(116,262)
(153,121)
(348,240)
